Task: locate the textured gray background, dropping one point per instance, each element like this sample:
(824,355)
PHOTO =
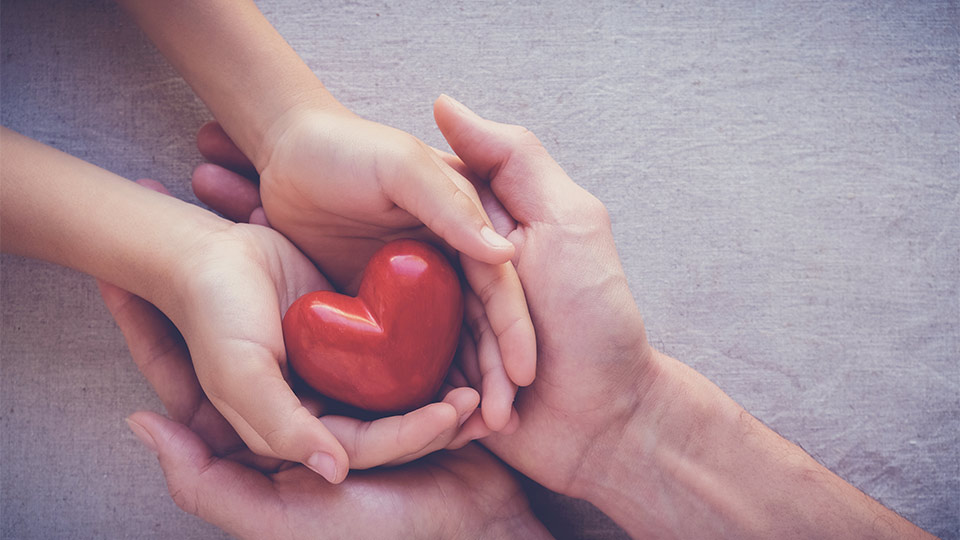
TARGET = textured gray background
(783,178)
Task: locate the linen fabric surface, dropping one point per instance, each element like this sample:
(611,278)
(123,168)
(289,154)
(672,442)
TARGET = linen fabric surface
(782,177)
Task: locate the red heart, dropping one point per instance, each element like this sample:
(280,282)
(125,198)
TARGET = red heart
(389,348)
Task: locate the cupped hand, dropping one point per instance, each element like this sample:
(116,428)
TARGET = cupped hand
(212,474)
(240,281)
(340,187)
(593,356)
(446,495)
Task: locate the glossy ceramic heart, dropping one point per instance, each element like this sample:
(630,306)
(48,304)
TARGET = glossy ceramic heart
(389,348)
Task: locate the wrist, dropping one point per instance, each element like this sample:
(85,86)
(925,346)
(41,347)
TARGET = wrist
(235,61)
(306,106)
(655,472)
(692,463)
(167,275)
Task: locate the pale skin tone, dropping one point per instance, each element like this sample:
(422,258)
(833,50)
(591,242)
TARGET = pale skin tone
(211,473)
(650,442)
(334,184)
(225,286)
(337,185)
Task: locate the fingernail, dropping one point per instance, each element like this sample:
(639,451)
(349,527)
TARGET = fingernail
(463,418)
(143,435)
(494,239)
(324,465)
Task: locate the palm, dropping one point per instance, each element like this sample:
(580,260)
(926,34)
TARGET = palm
(580,304)
(568,406)
(248,275)
(438,496)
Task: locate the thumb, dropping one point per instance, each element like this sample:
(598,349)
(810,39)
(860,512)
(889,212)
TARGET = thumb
(523,176)
(235,498)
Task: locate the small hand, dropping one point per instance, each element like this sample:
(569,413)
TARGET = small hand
(246,276)
(212,474)
(593,353)
(340,187)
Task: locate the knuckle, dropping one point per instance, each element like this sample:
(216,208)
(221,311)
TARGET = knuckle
(410,149)
(278,441)
(359,457)
(594,211)
(491,288)
(462,204)
(517,324)
(261,447)
(402,152)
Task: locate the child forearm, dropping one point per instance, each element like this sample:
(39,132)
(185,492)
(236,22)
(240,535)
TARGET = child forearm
(61,209)
(235,61)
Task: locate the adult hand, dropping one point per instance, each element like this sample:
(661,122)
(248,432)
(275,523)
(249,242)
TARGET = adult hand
(340,187)
(647,440)
(247,276)
(594,360)
(212,474)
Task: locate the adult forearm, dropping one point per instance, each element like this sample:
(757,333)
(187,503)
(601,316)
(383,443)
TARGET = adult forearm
(235,61)
(694,464)
(61,209)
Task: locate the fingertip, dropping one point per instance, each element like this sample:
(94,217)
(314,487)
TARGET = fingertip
(513,424)
(208,134)
(259,217)
(464,400)
(225,191)
(522,369)
(326,466)
(443,414)
(153,185)
(495,413)
(112,295)
(520,354)
(502,250)
(215,145)
(135,423)
(446,104)
(474,428)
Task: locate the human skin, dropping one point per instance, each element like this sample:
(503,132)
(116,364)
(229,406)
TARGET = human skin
(649,441)
(225,285)
(211,473)
(337,185)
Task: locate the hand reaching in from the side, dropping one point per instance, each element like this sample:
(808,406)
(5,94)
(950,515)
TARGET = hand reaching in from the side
(212,474)
(247,276)
(592,348)
(340,187)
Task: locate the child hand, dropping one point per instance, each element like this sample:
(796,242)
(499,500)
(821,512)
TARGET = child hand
(246,277)
(339,187)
